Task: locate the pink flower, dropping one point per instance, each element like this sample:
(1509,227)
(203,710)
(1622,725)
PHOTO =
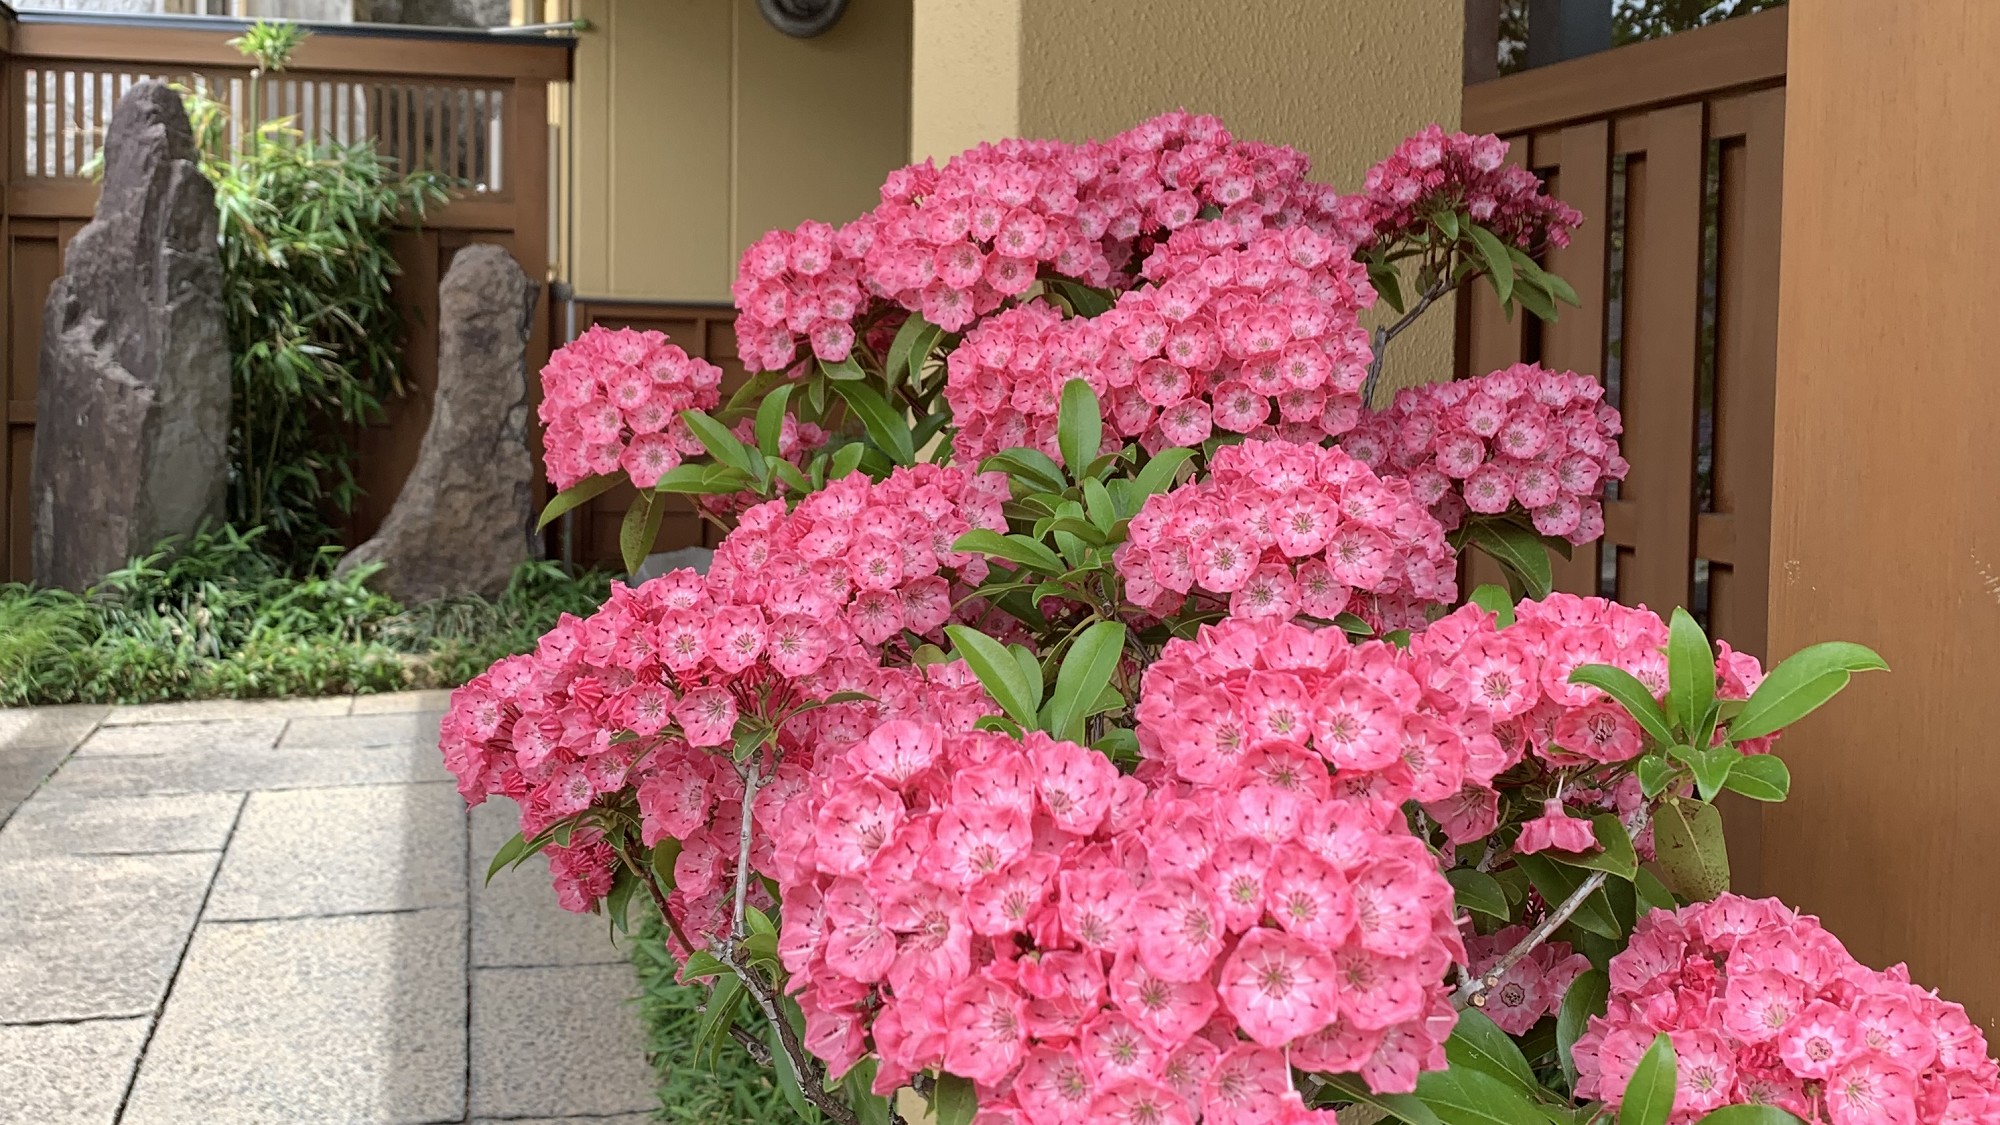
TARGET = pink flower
(1278,987)
(1556,829)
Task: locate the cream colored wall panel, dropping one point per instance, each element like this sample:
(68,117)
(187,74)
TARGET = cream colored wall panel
(965,75)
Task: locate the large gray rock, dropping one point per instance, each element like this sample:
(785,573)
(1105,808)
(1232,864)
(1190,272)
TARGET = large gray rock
(463,520)
(132,412)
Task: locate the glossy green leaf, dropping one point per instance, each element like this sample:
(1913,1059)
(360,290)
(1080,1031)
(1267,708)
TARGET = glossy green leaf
(1098,506)
(694,478)
(1037,470)
(1499,264)
(998,673)
(857,1089)
(887,426)
(1749,1115)
(1495,601)
(1655,773)
(1631,694)
(787,1076)
(1799,684)
(1557,882)
(1519,550)
(1652,894)
(1464,1096)
(720,443)
(1587,996)
(719,1014)
(1649,1096)
(575,496)
(662,862)
(771,419)
(1159,473)
(846,459)
(1402,1107)
(1017,549)
(1079,426)
(1690,671)
(1479,892)
(1086,670)
(1691,853)
(640,529)
(515,847)
(620,899)
(910,349)
(1478,1043)
(1760,777)
(1711,768)
(953,1100)
(701,965)
(848,370)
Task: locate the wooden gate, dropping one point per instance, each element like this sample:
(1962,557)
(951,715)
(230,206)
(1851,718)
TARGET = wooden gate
(471,106)
(1673,151)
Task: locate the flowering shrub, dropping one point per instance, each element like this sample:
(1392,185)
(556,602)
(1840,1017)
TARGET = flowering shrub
(612,400)
(1522,438)
(1104,745)
(1763,1007)
(1280,529)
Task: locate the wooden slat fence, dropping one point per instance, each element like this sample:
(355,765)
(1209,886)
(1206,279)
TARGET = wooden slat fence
(472,107)
(1673,151)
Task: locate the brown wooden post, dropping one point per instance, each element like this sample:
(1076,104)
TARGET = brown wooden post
(1886,490)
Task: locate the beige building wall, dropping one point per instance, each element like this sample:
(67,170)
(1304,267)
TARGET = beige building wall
(1344,80)
(695,127)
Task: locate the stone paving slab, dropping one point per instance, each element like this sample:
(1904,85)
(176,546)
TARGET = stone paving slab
(343,851)
(157,739)
(222,770)
(356,1019)
(592,1064)
(67,1073)
(33,741)
(515,919)
(204,710)
(400,702)
(417,728)
(121,825)
(94,936)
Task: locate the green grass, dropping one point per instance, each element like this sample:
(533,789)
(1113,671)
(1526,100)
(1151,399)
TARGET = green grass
(730,1089)
(216,616)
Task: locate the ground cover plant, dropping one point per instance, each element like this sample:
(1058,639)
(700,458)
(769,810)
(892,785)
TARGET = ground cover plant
(1084,721)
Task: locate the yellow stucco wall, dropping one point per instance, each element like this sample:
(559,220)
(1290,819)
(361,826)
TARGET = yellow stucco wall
(1343,80)
(696,127)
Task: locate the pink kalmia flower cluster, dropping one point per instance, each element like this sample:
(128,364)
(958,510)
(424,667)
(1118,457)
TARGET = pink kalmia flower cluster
(1530,988)
(876,557)
(1524,437)
(1085,948)
(958,242)
(1765,1007)
(612,401)
(1434,171)
(1283,530)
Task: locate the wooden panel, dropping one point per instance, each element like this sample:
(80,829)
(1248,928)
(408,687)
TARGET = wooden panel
(1886,525)
(357,50)
(1575,342)
(34,261)
(1742,52)
(1662,282)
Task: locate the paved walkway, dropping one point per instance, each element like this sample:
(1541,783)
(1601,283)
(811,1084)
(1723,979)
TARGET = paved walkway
(225,913)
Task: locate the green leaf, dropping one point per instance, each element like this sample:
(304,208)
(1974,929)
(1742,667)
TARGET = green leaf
(1079,426)
(515,848)
(620,899)
(662,861)
(1479,892)
(1557,882)
(700,479)
(1387,284)
(1711,767)
(857,1089)
(1615,855)
(910,349)
(1518,549)
(1017,549)
(1653,894)
(1031,467)
(575,496)
(1462,1096)
(1098,506)
(771,419)
(1536,300)
(639,530)
(1499,264)
(887,427)
(1760,777)
(700,965)
(1402,1107)
(788,1078)
(846,459)
(998,673)
(1560,290)
(1495,601)
(1649,1096)
(1481,1045)
(719,1014)
(1631,694)
(1353,624)
(953,1100)
(846,371)
(1086,669)
(720,443)
(1587,997)
(1690,672)
(1798,685)
(1691,854)
(1749,1115)
(1085,300)
(1655,774)
(1159,473)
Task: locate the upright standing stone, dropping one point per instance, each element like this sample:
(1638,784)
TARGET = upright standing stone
(132,411)
(463,520)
